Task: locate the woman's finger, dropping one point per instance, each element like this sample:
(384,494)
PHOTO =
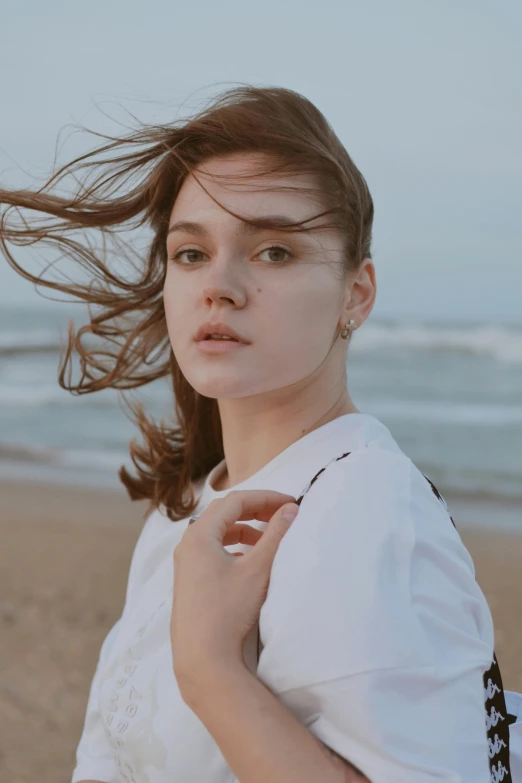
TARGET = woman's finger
(242,504)
(265,551)
(242,534)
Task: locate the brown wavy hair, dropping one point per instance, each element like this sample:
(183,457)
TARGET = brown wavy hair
(130,182)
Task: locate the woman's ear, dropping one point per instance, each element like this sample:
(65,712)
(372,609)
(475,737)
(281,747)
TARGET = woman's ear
(360,293)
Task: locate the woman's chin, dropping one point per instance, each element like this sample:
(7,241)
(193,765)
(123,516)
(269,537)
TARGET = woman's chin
(223,388)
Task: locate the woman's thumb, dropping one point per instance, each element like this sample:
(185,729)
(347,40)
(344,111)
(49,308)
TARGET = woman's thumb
(278,525)
(289,511)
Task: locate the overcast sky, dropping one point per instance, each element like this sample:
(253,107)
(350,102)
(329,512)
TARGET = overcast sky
(426,97)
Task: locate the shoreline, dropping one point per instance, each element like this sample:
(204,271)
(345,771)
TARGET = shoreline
(477,511)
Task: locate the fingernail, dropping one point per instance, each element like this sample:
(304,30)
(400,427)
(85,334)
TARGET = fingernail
(290,512)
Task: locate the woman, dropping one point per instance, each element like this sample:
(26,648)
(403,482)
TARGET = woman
(374,634)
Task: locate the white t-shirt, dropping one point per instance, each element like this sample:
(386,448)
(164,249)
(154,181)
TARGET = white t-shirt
(375,633)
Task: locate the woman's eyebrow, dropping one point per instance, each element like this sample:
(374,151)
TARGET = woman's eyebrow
(276,222)
(189,227)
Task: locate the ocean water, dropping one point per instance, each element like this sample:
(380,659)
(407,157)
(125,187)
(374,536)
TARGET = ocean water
(451,394)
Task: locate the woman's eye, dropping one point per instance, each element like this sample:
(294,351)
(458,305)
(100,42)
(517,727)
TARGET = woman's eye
(190,252)
(277,254)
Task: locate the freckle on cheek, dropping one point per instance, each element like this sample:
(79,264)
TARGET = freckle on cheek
(258,290)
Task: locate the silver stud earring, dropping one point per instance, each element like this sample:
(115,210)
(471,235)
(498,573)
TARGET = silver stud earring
(348,329)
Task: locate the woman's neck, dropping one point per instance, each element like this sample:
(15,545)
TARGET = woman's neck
(222,481)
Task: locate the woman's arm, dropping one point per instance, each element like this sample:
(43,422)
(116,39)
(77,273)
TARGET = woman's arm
(259,737)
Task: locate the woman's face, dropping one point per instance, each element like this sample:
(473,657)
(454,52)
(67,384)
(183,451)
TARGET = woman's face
(273,287)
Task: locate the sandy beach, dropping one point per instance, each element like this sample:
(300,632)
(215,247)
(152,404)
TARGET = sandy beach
(64,560)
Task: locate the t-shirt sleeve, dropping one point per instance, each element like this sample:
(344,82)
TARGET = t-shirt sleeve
(353,653)
(94,755)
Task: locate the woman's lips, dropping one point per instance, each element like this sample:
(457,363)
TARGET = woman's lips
(219,346)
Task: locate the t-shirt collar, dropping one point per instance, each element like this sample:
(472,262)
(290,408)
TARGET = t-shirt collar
(309,453)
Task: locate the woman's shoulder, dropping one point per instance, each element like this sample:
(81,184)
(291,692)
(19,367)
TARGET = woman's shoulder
(370,482)
(378,471)
(385,479)
(377,462)
(407,521)
(377,502)
(353,514)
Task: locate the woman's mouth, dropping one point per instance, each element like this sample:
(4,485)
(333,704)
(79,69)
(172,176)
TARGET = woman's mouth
(214,345)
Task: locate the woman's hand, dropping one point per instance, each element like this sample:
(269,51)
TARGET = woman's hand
(217,595)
